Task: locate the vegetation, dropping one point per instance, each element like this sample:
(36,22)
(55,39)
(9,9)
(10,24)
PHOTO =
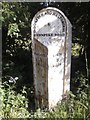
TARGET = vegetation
(13,105)
(73,107)
(16,89)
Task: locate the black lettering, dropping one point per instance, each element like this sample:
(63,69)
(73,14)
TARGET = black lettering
(36,20)
(51,34)
(45,13)
(59,16)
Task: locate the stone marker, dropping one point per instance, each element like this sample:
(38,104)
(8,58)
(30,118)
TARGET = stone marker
(51,51)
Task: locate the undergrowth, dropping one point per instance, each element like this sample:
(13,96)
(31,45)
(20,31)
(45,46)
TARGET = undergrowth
(15,105)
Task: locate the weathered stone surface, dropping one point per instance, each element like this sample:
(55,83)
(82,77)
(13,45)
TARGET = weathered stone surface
(40,62)
(51,50)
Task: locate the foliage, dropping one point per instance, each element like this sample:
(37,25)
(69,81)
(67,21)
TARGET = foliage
(73,107)
(13,105)
(16,38)
(17,61)
(16,46)
(76,48)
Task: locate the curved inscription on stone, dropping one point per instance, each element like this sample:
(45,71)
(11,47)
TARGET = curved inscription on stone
(51,50)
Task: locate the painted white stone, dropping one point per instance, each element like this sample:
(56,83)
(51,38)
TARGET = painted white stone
(51,50)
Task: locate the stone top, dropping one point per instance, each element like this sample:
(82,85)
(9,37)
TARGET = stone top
(49,25)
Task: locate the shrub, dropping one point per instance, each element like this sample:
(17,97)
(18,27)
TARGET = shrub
(14,105)
(72,107)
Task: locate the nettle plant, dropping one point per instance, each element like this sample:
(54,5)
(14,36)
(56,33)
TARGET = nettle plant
(13,105)
(72,107)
